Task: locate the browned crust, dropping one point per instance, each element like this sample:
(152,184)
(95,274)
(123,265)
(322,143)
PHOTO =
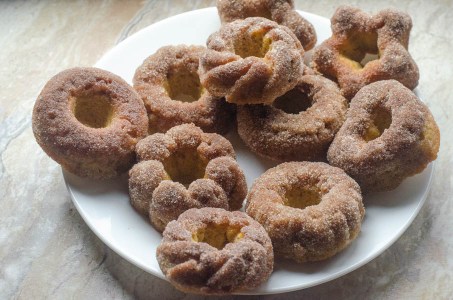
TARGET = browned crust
(392,28)
(404,149)
(275,134)
(211,114)
(197,267)
(153,194)
(315,232)
(251,80)
(280,11)
(89,152)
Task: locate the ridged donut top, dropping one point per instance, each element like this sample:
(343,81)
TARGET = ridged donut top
(280,11)
(213,251)
(356,33)
(251,61)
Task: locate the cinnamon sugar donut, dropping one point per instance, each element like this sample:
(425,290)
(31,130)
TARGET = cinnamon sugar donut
(300,125)
(169,85)
(213,251)
(356,34)
(88,120)
(311,211)
(388,135)
(280,11)
(251,61)
(181,169)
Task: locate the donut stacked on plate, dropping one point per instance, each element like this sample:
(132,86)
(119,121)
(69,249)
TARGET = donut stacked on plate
(353,110)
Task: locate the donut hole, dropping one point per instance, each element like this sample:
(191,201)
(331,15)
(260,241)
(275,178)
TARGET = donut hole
(302,196)
(293,102)
(218,236)
(183,85)
(381,119)
(94,111)
(361,49)
(185,166)
(255,44)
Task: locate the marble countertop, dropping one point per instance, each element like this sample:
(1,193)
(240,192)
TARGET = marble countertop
(46,249)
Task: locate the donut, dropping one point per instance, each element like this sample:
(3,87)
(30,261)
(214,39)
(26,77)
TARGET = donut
(280,11)
(181,169)
(214,251)
(343,57)
(88,120)
(169,85)
(299,125)
(388,135)
(310,210)
(251,61)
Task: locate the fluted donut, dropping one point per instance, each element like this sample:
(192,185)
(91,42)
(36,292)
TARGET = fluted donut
(310,210)
(214,251)
(251,61)
(299,125)
(280,11)
(170,87)
(181,169)
(354,34)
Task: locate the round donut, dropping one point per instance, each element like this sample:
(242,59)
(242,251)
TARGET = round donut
(214,251)
(181,169)
(388,135)
(88,120)
(356,34)
(310,210)
(299,125)
(280,11)
(169,85)
(251,61)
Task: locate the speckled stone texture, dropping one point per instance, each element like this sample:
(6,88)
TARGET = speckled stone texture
(48,252)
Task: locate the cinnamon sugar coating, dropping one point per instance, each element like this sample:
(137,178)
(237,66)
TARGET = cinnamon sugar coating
(169,85)
(311,211)
(388,135)
(88,120)
(213,251)
(354,34)
(282,132)
(251,61)
(181,169)
(280,11)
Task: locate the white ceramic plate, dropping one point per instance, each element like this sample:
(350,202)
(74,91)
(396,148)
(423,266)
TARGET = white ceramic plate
(105,205)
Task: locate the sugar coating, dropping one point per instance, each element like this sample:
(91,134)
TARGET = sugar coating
(210,113)
(402,150)
(155,194)
(351,28)
(252,79)
(316,232)
(275,134)
(280,11)
(98,153)
(198,267)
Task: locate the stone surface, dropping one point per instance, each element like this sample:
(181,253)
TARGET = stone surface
(47,251)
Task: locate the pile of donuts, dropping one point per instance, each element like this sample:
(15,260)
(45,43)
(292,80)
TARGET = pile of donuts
(345,125)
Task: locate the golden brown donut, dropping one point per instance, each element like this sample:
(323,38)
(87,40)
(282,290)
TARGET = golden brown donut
(280,11)
(388,135)
(310,210)
(214,251)
(354,34)
(169,85)
(300,125)
(181,169)
(251,61)
(88,120)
